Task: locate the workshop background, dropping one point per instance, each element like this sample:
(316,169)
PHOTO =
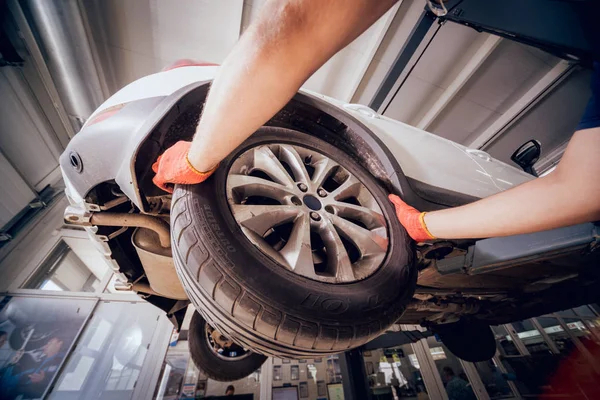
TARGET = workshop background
(473,88)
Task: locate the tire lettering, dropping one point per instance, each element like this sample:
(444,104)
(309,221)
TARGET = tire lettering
(329,305)
(333,305)
(216,230)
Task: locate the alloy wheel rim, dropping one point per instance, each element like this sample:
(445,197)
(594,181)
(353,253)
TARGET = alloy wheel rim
(233,352)
(307,212)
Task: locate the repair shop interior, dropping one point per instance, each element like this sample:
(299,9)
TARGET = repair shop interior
(299,199)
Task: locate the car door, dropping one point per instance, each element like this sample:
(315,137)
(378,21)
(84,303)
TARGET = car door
(429,158)
(501,175)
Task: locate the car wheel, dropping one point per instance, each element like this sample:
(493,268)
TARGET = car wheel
(471,340)
(35,335)
(214,354)
(291,248)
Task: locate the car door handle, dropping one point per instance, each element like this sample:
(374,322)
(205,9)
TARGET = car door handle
(480,153)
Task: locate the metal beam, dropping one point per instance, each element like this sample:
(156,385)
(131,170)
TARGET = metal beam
(503,370)
(475,380)
(380,30)
(517,340)
(431,376)
(409,55)
(266,379)
(485,45)
(354,376)
(553,348)
(537,92)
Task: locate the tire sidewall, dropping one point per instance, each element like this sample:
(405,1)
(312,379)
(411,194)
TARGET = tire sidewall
(213,366)
(377,298)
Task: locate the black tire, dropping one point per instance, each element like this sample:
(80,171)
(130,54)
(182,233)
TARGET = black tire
(471,341)
(214,367)
(257,303)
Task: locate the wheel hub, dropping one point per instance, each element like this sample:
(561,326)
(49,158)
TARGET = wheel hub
(307,212)
(312,202)
(223,347)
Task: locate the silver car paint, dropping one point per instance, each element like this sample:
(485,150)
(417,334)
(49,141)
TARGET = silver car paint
(423,156)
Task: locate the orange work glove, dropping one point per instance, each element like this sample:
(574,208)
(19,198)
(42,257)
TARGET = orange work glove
(411,219)
(173,167)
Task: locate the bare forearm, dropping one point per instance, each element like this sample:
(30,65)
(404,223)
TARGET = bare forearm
(522,209)
(568,196)
(291,39)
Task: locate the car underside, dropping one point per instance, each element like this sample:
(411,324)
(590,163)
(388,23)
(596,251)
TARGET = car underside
(140,229)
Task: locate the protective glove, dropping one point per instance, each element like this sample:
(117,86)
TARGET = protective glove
(174,167)
(411,219)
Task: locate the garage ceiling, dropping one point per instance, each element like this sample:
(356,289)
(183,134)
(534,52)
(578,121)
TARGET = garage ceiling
(486,107)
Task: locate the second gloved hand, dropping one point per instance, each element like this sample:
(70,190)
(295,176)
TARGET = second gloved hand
(173,167)
(411,219)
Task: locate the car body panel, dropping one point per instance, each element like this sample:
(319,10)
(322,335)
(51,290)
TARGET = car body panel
(437,161)
(423,156)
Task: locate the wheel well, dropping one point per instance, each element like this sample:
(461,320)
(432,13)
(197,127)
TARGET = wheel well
(305,113)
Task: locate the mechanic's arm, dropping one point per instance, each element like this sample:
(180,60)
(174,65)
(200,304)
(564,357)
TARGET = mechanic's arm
(569,195)
(289,41)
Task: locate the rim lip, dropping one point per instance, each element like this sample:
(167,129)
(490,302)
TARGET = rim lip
(273,142)
(246,353)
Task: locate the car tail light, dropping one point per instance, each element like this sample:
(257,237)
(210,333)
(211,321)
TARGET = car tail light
(187,63)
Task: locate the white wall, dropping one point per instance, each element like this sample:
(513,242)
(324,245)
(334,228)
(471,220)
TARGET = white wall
(20,257)
(138,37)
(340,76)
(397,33)
(552,121)
(28,155)
(135,38)
(510,70)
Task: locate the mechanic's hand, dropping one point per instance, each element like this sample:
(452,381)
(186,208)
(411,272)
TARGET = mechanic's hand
(173,167)
(411,219)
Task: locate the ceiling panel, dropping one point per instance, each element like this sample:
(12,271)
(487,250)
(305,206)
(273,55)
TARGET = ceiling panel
(552,121)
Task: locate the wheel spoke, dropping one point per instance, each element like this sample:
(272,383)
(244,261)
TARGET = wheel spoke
(246,186)
(338,235)
(261,218)
(367,242)
(266,161)
(323,168)
(297,251)
(371,218)
(291,156)
(351,187)
(337,256)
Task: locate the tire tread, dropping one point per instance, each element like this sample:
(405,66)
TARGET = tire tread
(235,311)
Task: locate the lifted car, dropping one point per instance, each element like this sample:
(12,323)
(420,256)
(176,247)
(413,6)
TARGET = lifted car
(292,249)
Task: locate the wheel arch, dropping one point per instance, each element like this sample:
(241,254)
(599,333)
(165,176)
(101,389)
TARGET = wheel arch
(304,112)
